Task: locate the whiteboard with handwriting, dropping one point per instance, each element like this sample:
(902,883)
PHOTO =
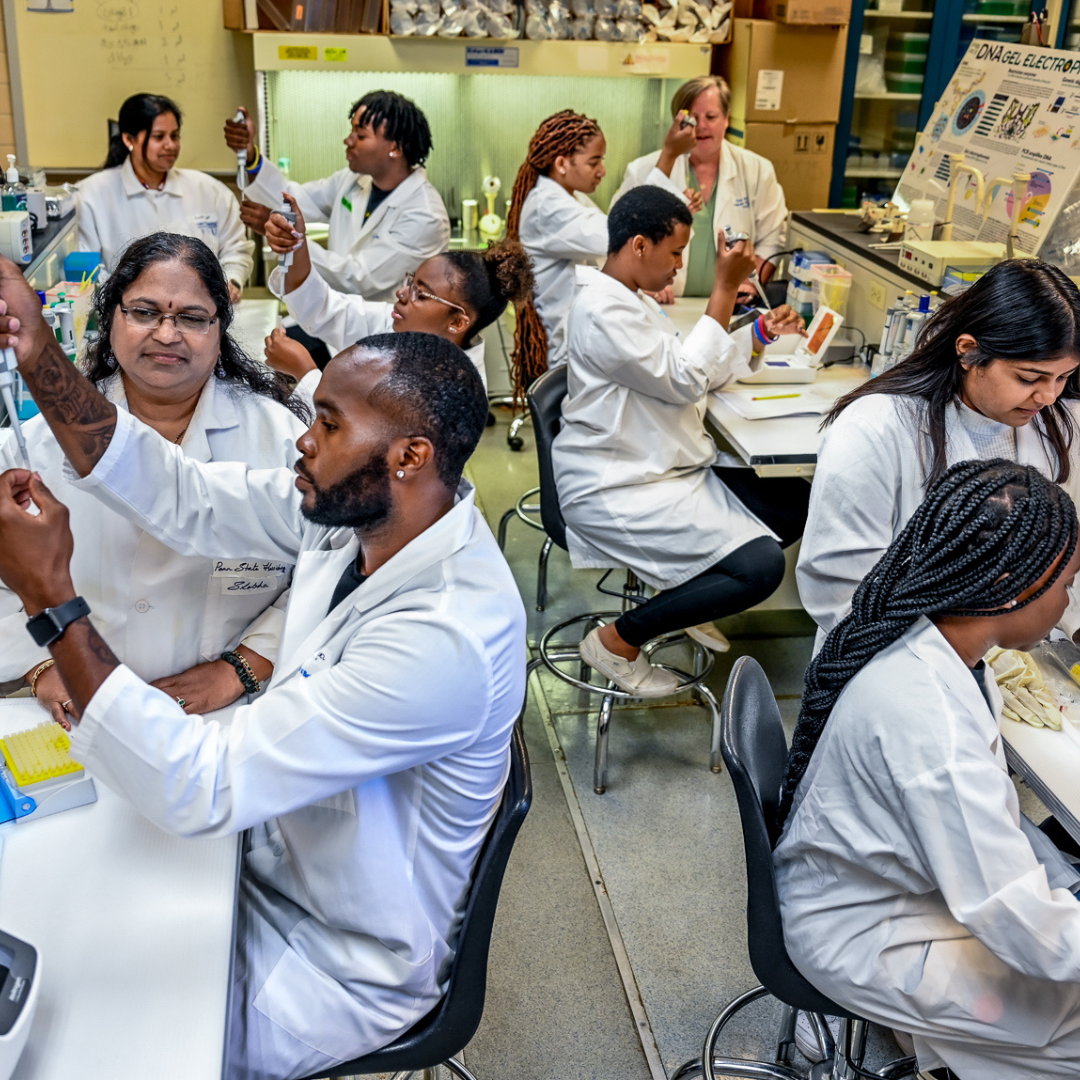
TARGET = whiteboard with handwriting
(74,69)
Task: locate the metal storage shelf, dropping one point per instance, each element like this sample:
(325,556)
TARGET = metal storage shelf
(871,174)
(994,18)
(279,51)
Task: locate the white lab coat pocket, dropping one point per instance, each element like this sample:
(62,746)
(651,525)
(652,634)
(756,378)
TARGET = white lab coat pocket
(238,591)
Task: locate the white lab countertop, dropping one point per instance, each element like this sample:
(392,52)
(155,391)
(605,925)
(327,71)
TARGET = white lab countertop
(787,445)
(134,931)
(1049,763)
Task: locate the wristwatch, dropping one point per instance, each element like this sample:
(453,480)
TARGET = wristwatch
(49,625)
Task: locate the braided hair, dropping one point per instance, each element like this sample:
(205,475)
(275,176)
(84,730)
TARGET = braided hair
(560,135)
(396,119)
(986,531)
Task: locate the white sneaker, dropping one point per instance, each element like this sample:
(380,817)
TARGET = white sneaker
(637,677)
(806,1040)
(706,634)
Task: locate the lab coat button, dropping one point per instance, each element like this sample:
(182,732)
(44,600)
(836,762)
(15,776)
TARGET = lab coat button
(278,850)
(142,606)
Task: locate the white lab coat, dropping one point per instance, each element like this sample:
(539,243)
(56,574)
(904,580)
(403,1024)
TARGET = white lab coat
(341,320)
(633,462)
(908,892)
(371,769)
(114,209)
(161,613)
(749,198)
(870,478)
(560,231)
(370,258)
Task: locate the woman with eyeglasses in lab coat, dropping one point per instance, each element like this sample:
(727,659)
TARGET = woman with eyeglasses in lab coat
(454,295)
(166,356)
(141,191)
(980,383)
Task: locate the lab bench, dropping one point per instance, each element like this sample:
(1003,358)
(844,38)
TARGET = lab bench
(877,279)
(51,247)
(134,929)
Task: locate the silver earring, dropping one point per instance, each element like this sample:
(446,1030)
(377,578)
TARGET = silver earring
(401,476)
(393,153)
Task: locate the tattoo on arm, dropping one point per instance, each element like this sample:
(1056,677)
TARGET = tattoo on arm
(99,647)
(82,420)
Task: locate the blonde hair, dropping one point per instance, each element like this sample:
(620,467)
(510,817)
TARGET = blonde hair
(689,92)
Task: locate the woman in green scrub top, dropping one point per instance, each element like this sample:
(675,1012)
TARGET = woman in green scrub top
(738,188)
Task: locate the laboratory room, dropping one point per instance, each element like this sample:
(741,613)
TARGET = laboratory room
(539,539)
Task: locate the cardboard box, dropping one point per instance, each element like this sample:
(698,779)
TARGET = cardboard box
(802,155)
(805,12)
(784,74)
(233,14)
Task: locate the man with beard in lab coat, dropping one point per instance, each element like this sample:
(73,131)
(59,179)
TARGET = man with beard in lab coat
(371,770)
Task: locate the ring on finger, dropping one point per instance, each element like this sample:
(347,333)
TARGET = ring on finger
(65,705)
(181,702)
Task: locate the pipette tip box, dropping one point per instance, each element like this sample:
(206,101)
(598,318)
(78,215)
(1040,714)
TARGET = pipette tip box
(39,777)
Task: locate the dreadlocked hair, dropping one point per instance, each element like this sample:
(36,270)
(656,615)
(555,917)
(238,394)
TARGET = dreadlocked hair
(558,136)
(986,531)
(398,119)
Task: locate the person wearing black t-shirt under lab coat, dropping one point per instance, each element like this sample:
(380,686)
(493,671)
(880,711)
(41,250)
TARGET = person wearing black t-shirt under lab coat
(385,216)
(638,476)
(369,772)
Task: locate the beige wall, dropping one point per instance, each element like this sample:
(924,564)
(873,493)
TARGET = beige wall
(7,122)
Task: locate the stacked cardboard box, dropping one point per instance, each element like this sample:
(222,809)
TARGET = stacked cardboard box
(785,97)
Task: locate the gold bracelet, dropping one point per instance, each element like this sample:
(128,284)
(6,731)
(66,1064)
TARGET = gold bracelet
(37,673)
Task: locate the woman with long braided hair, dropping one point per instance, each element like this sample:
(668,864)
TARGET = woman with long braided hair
(993,374)
(560,227)
(910,887)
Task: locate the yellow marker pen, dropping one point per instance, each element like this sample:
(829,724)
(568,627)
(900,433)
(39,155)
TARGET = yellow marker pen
(774,397)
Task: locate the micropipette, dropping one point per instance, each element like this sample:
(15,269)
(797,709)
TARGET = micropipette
(289,215)
(8,364)
(734,238)
(241,156)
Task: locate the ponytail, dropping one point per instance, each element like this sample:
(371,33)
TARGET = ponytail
(558,136)
(491,279)
(986,532)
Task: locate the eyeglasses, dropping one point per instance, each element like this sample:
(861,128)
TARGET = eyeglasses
(414,292)
(148,319)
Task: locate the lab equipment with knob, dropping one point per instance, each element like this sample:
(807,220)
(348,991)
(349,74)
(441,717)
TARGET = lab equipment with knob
(491,224)
(20,979)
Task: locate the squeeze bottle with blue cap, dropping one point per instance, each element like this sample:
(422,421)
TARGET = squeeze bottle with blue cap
(14,194)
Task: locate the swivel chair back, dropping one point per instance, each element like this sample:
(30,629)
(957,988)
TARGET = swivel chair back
(755,751)
(447,1029)
(545,398)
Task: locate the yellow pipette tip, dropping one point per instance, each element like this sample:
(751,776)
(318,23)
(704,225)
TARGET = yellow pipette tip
(42,753)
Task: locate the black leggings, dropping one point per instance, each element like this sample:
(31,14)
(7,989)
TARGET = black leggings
(740,580)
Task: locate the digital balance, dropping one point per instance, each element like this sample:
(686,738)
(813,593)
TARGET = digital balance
(19,981)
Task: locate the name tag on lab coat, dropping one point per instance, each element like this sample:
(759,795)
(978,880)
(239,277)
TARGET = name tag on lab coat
(248,576)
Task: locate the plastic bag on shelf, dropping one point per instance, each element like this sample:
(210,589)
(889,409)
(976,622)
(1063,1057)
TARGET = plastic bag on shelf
(537,27)
(583,28)
(561,27)
(628,9)
(629,30)
(500,26)
(605,29)
(500,7)
(452,25)
(402,24)
(428,23)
